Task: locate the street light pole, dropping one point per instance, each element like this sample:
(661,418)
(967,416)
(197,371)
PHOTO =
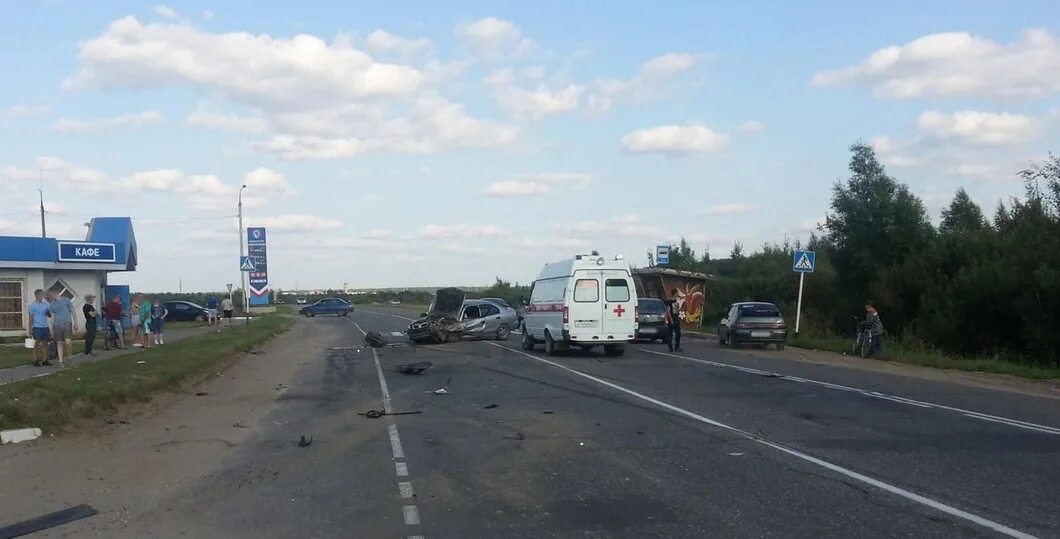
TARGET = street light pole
(243,274)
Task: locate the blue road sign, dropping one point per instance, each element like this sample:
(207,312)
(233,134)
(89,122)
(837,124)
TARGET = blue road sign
(662,255)
(259,277)
(803,261)
(246,264)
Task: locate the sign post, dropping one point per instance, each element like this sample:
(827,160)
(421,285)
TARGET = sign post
(259,276)
(802,262)
(662,255)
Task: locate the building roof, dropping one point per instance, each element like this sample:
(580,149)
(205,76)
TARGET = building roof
(656,270)
(44,253)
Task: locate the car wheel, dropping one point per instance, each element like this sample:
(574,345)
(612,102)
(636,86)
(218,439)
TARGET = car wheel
(503,332)
(730,341)
(780,346)
(200,318)
(311,314)
(721,341)
(528,341)
(614,350)
(550,345)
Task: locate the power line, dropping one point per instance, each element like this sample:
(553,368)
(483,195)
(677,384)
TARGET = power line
(27,218)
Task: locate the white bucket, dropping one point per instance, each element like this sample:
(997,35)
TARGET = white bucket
(30,343)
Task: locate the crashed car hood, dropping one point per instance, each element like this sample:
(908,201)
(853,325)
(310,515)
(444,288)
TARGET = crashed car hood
(447,301)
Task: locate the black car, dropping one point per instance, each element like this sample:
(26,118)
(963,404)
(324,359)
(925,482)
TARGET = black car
(651,324)
(185,311)
(753,323)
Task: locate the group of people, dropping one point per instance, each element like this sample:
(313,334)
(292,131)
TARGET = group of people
(53,321)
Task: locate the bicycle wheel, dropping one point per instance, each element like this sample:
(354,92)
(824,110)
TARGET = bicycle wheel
(866,346)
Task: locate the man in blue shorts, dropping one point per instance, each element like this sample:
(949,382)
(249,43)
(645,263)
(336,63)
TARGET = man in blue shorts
(38,312)
(211,311)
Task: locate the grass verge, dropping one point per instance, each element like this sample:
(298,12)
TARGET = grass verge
(14,356)
(895,351)
(91,389)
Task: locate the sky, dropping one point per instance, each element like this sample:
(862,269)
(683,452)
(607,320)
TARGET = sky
(388,144)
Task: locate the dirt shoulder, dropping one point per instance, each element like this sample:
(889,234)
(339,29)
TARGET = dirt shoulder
(123,465)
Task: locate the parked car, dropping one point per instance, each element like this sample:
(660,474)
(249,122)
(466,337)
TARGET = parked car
(300,301)
(335,306)
(185,311)
(451,317)
(395,302)
(651,324)
(753,323)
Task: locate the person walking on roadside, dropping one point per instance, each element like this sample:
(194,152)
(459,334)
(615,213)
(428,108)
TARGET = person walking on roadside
(63,324)
(158,320)
(112,313)
(875,326)
(89,311)
(226,309)
(41,332)
(674,315)
(145,321)
(134,320)
(211,311)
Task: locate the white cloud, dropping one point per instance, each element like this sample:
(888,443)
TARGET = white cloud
(752,126)
(384,42)
(461,231)
(264,181)
(630,225)
(207,15)
(377,234)
(729,209)
(166,12)
(529,185)
(894,153)
(227,122)
(668,64)
(958,64)
(538,102)
(142,119)
(21,111)
(297,223)
(84,179)
(675,140)
(978,128)
(490,32)
(648,83)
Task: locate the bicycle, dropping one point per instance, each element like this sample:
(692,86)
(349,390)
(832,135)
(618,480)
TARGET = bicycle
(863,342)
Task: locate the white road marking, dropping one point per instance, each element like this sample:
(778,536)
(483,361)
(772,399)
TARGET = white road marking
(412,515)
(405,489)
(401,469)
(387,406)
(887,487)
(874,394)
(388,314)
(395,442)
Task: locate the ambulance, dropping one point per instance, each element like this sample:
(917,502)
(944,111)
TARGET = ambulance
(585,301)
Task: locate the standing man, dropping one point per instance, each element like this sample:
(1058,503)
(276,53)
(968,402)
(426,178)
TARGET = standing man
(112,313)
(158,320)
(226,308)
(89,310)
(134,319)
(39,314)
(675,321)
(875,325)
(63,324)
(211,310)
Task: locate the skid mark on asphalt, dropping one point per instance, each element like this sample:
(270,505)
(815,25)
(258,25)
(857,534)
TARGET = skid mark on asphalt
(886,487)
(872,394)
(410,513)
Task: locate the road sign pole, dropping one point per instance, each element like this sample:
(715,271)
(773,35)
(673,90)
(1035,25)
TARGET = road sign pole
(798,307)
(243,274)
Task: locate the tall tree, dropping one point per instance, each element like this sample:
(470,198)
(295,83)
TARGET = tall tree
(875,223)
(962,215)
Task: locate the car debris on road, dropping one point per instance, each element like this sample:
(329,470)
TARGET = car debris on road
(414,368)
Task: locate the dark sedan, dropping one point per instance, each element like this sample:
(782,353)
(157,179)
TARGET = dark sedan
(185,311)
(651,324)
(753,323)
(335,306)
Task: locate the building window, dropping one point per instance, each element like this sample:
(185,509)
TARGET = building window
(63,290)
(11,315)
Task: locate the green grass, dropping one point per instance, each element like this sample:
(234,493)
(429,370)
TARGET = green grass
(89,390)
(897,352)
(14,356)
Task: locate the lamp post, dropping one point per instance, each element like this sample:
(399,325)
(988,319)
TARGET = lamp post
(243,274)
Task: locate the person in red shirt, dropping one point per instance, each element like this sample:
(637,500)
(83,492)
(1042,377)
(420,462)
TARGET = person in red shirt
(112,312)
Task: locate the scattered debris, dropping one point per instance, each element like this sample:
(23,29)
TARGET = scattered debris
(281,423)
(490,406)
(549,412)
(305,442)
(769,374)
(374,339)
(15,436)
(516,436)
(141,362)
(414,368)
(441,391)
(736,454)
(50,520)
(201,394)
(640,432)
(375,414)
(240,425)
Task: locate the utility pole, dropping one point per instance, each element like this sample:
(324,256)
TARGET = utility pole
(43,231)
(243,274)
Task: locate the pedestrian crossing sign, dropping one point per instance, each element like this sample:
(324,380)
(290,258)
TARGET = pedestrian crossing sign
(246,264)
(803,261)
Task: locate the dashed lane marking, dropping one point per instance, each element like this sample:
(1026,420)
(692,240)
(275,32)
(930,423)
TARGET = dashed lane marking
(887,487)
(874,394)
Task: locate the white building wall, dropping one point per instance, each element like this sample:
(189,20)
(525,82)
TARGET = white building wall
(79,282)
(31,280)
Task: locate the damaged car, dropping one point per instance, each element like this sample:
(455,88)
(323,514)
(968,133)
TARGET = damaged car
(452,317)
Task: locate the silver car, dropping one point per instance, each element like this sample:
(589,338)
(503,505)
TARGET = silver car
(484,319)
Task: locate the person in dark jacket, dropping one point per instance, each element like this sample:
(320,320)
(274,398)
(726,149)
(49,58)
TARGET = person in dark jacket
(89,310)
(673,316)
(875,326)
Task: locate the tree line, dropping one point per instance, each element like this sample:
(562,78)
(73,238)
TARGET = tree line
(972,286)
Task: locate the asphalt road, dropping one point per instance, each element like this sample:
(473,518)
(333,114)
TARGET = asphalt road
(706,443)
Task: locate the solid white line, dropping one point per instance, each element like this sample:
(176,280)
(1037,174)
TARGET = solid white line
(387,406)
(412,515)
(405,489)
(898,491)
(401,469)
(395,442)
(415,537)
(875,394)
(388,314)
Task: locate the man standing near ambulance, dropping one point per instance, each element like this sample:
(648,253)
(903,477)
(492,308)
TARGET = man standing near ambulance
(674,316)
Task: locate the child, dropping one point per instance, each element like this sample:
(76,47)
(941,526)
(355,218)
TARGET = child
(158,318)
(145,321)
